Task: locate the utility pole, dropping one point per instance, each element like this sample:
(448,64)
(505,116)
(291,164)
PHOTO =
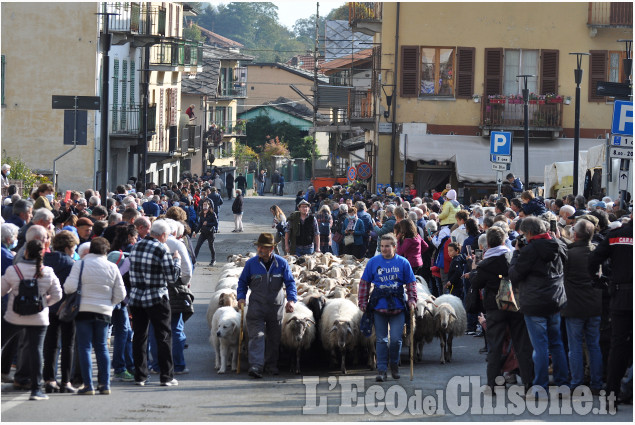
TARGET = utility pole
(315,87)
(105,87)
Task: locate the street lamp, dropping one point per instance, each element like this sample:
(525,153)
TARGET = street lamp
(576,137)
(526,120)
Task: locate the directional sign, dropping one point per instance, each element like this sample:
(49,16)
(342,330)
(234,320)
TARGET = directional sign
(622,118)
(500,143)
(624,141)
(351,173)
(364,170)
(623,181)
(505,159)
(622,153)
(499,178)
(83,102)
(79,133)
(496,166)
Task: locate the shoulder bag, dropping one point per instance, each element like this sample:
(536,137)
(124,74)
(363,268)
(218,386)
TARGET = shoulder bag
(506,298)
(70,306)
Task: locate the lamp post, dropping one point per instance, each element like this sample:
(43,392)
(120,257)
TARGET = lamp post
(389,98)
(576,137)
(526,124)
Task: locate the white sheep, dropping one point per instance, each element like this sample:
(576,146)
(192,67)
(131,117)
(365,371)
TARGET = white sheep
(339,329)
(221,298)
(451,321)
(227,283)
(298,332)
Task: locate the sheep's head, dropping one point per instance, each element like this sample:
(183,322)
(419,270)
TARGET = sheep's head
(316,305)
(343,332)
(338,292)
(445,316)
(299,327)
(228,300)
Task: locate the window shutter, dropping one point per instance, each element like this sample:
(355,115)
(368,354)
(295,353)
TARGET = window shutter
(465,72)
(597,64)
(409,71)
(549,71)
(493,71)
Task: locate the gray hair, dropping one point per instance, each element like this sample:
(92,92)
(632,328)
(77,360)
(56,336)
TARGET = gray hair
(477,212)
(155,199)
(400,212)
(114,218)
(532,225)
(172,225)
(482,241)
(94,200)
(36,232)
(160,227)
(343,208)
(495,236)
(412,215)
(390,209)
(42,214)
(15,198)
(22,206)
(501,224)
(83,249)
(390,237)
(82,201)
(584,229)
(9,231)
(431,226)
(360,206)
(239,192)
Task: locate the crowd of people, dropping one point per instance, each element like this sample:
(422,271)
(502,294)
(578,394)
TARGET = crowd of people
(569,259)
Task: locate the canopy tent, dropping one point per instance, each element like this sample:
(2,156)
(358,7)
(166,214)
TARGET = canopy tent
(470,155)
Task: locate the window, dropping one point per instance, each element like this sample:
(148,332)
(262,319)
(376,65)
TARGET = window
(616,69)
(520,62)
(437,71)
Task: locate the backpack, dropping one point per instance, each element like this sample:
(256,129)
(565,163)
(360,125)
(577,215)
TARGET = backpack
(28,301)
(324,228)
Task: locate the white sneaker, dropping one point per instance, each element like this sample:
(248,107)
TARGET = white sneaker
(172,383)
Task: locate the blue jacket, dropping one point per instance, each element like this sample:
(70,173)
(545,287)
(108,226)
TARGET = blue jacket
(217,200)
(358,231)
(367,220)
(278,273)
(517,186)
(7,258)
(534,207)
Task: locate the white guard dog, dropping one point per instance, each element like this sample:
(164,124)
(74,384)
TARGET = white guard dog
(224,337)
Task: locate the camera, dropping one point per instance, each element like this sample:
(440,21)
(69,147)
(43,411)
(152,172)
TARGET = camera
(520,241)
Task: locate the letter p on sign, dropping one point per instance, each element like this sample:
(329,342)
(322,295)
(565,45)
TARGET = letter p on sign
(501,143)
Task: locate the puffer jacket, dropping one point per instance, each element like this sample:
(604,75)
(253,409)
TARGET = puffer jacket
(534,207)
(447,216)
(582,299)
(537,270)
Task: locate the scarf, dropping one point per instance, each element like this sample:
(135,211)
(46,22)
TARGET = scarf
(351,223)
(496,251)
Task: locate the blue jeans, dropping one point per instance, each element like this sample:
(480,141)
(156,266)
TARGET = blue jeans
(589,329)
(302,251)
(396,322)
(544,332)
(335,248)
(93,332)
(261,188)
(122,345)
(178,344)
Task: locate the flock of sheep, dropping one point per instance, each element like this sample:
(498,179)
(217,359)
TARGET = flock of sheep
(326,319)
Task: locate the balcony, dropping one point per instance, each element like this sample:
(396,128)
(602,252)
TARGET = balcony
(128,120)
(500,114)
(365,17)
(233,83)
(360,105)
(610,15)
(169,55)
(190,139)
(139,23)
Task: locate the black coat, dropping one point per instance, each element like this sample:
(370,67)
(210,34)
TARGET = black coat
(582,299)
(487,276)
(229,181)
(237,206)
(241,182)
(537,270)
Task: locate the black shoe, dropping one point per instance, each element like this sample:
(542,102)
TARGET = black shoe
(212,263)
(394,371)
(381,377)
(273,370)
(255,372)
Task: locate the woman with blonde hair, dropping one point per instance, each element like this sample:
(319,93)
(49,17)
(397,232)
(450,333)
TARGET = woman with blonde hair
(279,223)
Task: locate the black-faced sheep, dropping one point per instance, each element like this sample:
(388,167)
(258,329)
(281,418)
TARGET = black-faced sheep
(298,332)
(339,329)
(451,321)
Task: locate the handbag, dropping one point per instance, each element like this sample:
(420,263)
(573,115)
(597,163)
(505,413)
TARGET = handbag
(506,298)
(349,240)
(70,306)
(337,237)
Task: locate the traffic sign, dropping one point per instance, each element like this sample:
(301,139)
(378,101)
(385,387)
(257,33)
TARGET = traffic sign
(83,102)
(505,159)
(499,178)
(497,166)
(625,141)
(351,173)
(622,118)
(623,181)
(619,152)
(364,170)
(501,143)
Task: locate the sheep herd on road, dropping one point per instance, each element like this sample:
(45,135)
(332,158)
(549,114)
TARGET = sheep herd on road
(326,318)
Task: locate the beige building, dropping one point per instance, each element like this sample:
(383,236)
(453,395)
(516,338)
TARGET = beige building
(454,60)
(48,49)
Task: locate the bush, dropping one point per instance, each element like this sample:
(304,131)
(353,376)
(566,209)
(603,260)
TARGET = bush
(20,171)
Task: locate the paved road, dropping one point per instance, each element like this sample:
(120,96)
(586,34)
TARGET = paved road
(204,395)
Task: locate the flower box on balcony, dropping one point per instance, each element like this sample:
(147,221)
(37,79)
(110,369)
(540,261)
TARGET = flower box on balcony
(515,101)
(534,101)
(497,101)
(554,100)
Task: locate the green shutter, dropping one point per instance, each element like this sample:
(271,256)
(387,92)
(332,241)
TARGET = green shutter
(230,120)
(132,82)
(115,94)
(124,92)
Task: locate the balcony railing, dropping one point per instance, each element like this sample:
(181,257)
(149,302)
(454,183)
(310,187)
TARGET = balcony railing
(364,12)
(135,18)
(360,105)
(232,128)
(128,120)
(612,14)
(176,53)
(190,138)
(542,115)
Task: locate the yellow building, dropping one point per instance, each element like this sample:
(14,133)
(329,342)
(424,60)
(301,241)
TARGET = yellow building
(48,50)
(449,65)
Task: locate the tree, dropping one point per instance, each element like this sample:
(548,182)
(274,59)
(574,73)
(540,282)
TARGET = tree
(193,32)
(20,171)
(273,147)
(259,129)
(244,155)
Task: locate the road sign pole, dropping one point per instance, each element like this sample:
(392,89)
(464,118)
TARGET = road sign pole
(624,168)
(68,151)
(499,181)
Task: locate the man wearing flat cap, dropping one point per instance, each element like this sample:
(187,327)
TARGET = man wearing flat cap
(302,235)
(265,274)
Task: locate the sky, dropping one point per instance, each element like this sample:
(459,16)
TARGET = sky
(290,11)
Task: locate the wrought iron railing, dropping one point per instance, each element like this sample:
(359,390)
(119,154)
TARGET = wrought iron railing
(360,105)
(359,11)
(610,14)
(501,113)
(135,18)
(176,53)
(128,120)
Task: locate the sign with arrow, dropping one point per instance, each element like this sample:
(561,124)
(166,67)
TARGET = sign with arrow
(624,179)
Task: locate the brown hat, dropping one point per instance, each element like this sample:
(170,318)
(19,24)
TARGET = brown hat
(84,222)
(265,239)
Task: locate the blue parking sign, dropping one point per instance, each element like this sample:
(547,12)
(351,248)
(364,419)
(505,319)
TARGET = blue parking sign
(500,143)
(622,118)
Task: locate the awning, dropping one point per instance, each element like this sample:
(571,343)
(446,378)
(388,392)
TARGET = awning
(470,155)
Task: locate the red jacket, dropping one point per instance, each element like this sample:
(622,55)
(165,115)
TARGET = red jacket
(412,248)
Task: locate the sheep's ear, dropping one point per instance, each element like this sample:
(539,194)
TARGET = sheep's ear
(311,321)
(293,318)
(453,315)
(433,297)
(333,329)
(349,330)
